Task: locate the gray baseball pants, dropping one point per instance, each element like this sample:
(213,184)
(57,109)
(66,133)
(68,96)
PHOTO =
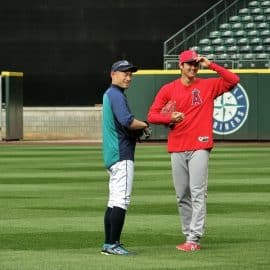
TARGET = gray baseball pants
(190,174)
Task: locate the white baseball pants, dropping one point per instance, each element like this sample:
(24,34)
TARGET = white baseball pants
(120,183)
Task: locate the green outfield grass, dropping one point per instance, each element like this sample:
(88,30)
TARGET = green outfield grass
(53,198)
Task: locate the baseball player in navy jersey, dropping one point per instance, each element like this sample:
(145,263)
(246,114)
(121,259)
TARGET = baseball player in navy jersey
(119,141)
(190,138)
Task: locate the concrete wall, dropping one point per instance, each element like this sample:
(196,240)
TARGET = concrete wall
(60,123)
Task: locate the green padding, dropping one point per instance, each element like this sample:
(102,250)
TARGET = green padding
(256,84)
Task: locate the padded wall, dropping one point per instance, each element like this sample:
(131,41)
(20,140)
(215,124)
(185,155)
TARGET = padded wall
(255,83)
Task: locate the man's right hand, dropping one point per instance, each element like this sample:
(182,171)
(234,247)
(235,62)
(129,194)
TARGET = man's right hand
(177,117)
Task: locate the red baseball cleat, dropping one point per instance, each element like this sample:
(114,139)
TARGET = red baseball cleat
(188,246)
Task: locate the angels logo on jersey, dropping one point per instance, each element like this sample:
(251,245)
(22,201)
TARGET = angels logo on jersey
(196,99)
(230,111)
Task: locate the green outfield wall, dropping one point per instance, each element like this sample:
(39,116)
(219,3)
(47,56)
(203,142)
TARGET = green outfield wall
(242,114)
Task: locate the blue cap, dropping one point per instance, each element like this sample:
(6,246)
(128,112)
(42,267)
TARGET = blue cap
(123,65)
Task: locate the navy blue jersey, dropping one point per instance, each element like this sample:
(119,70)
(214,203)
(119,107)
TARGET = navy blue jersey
(117,143)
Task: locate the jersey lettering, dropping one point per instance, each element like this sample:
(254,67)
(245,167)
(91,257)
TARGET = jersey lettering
(196,99)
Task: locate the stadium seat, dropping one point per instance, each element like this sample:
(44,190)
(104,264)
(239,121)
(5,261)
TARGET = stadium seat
(248,56)
(227,33)
(195,48)
(267,48)
(247,61)
(252,33)
(244,11)
(235,56)
(220,49)
(234,18)
(232,49)
(266,10)
(229,41)
(214,34)
(265,3)
(247,18)
(255,41)
(249,26)
(254,4)
(240,33)
(217,41)
(256,11)
(261,63)
(263,60)
(207,50)
(225,26)
(242,41)
(266,41)
(225,63)
(210,56)
(258,49)
(265,33)
(245,49)
(237,26)
(259,18)
(205,41)
(263,25)
(245,64)
(222,56)
(262,56)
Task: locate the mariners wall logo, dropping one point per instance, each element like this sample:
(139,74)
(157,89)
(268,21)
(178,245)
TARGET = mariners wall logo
(230,111)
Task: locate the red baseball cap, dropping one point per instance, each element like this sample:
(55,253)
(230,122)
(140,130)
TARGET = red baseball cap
(187,56)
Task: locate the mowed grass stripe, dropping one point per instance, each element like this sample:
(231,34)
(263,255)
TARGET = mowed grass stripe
(54,197)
